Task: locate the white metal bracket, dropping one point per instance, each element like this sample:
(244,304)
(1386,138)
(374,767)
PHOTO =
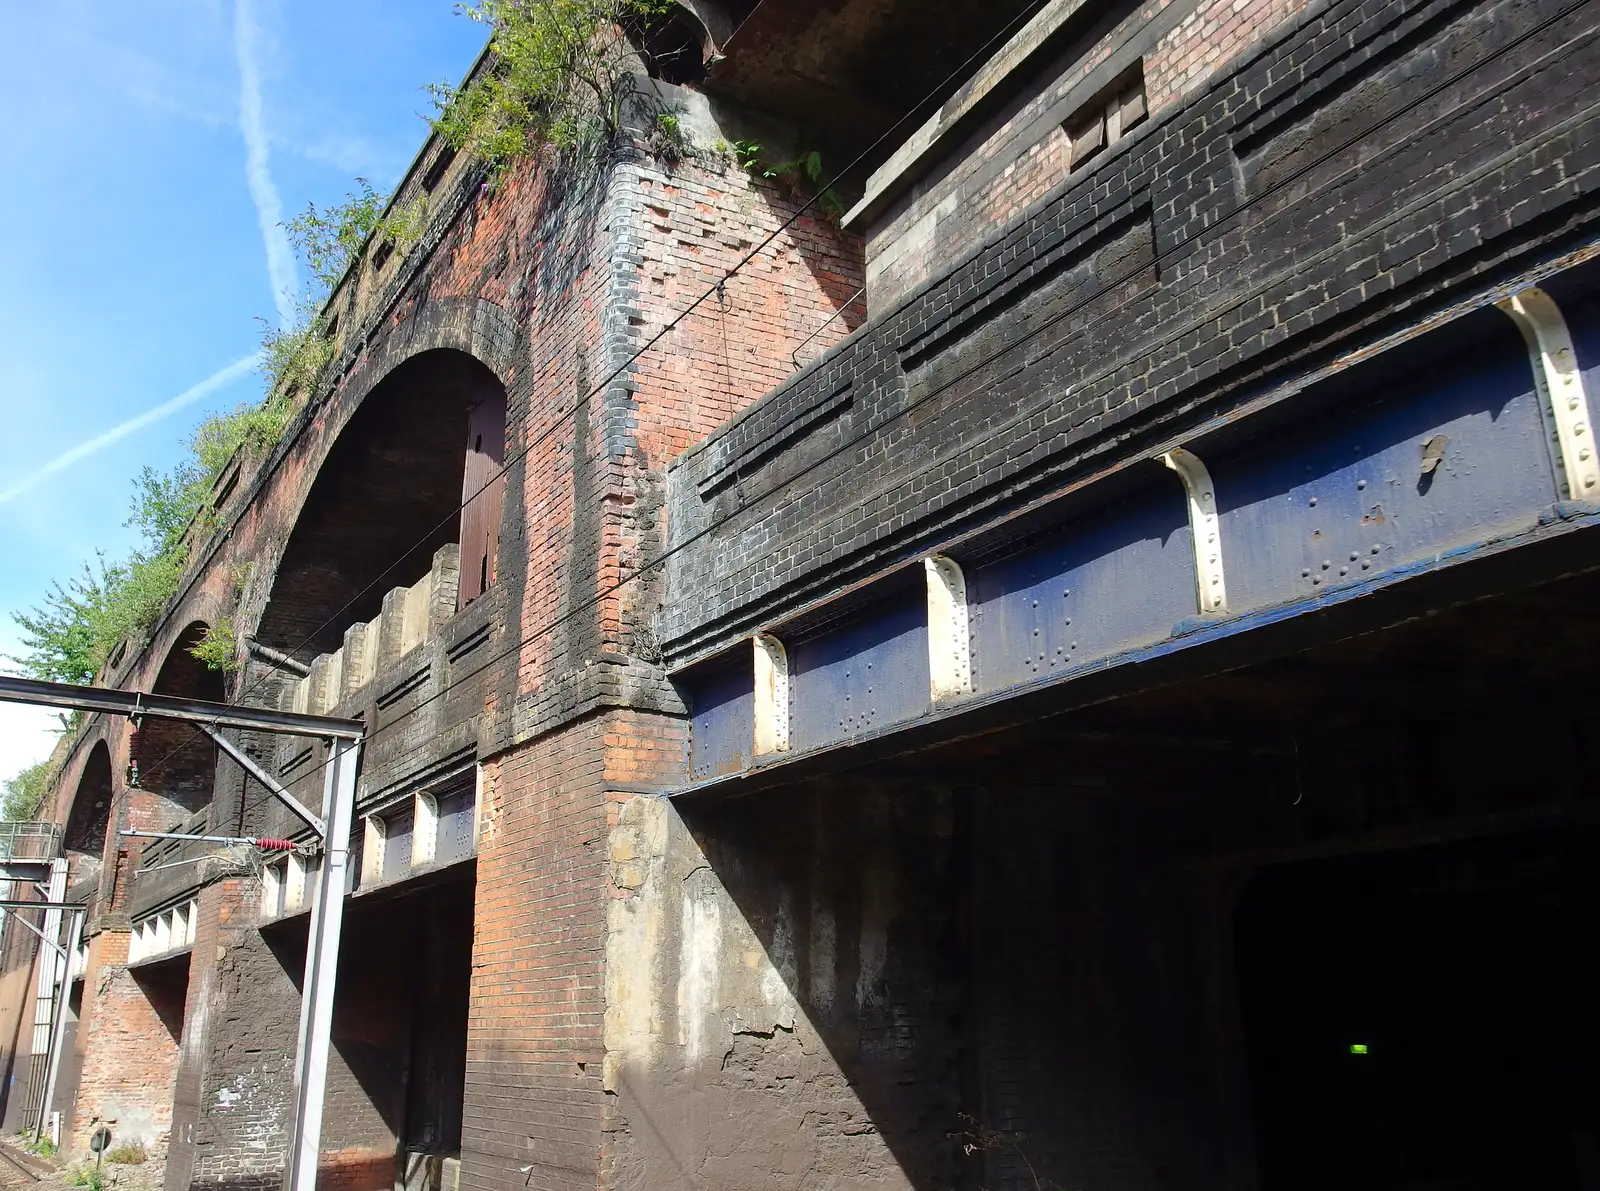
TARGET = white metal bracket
(1560,385)
(374,841)
(772,694)
(949,631)
(1204,528)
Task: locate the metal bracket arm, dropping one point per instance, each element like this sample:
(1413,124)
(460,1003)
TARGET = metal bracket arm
(248,763)
(56,947)
(170,707)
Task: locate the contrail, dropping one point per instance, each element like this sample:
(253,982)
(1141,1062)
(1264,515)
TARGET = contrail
(100,442)
(269,207)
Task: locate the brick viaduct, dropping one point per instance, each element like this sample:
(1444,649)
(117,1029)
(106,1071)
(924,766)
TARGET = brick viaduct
(888,726)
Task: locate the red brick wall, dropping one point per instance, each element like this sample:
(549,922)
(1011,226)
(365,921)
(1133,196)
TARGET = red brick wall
(587,279)
(535,1040)
(130,1056)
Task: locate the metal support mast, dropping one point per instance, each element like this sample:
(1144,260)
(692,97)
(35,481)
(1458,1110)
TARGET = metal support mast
(327,907)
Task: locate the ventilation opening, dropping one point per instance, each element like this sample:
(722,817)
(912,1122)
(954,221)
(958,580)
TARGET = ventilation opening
(436,171)
(674,46)
(381,255)
(1106,119)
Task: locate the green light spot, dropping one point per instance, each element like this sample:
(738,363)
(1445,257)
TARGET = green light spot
(1358,1048)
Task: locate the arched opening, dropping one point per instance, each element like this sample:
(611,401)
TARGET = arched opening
(389,495)
(176,762)
(677,44)
(84,839)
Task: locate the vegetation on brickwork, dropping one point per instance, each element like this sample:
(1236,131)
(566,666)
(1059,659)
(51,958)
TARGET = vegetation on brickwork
(68,636)
(977,1137)
(219,647)
(801,177)
(22,796)
(554,79)
(70,633)
(329,239)
(129,1153)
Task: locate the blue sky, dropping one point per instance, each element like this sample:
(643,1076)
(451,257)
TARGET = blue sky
(152,147)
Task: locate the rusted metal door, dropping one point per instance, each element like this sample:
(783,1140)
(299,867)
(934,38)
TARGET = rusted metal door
(482,490)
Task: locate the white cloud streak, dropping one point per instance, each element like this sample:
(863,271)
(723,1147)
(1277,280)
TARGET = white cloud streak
(269,207)
(217,380)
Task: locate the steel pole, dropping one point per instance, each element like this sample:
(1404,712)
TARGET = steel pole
(58,1028)
(322,966)
(51,927)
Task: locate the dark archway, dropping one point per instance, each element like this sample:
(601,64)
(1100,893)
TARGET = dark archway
(387,497)
(178,763)
(84,840)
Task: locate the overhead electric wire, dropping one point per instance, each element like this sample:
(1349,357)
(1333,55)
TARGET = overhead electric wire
(984,362)
(621,370)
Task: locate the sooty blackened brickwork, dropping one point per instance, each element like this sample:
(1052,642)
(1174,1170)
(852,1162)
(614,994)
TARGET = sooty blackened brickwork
(1356,168)
(881,976)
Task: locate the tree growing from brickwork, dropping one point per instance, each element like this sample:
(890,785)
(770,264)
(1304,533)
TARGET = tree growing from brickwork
(554,80)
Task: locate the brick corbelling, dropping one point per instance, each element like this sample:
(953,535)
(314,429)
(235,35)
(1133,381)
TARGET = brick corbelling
(1353,241)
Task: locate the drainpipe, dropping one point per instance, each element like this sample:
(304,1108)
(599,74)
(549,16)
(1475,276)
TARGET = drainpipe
(276,658)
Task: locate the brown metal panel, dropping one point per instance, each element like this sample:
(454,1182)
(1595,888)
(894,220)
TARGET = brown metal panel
(482,491)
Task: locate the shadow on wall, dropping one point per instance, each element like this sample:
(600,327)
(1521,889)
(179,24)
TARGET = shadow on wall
(895,982)
(85,838)
(177,763)
(387,497)
(786,1000)
(397,1072)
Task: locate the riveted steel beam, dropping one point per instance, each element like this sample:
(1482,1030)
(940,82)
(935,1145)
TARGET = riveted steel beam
(772,694)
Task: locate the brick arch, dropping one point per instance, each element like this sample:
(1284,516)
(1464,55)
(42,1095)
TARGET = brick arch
(387,491)
(177,763)
(84,837)
(475,327)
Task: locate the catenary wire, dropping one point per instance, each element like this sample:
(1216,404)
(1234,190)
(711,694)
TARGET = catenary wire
(938,390)
(980,364)
(621,370)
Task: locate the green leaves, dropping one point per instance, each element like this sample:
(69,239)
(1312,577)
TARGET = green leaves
(801,178)
(69,634)
(329,240)
(554,79)
(22,796)
(219,647)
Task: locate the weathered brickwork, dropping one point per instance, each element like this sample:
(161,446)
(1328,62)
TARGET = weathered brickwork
(234,1090)
(1353,171)
(809,989)
(536,1047)
(131,1022)
(1024,153)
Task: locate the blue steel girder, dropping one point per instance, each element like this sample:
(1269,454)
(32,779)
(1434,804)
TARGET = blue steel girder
(1408,464)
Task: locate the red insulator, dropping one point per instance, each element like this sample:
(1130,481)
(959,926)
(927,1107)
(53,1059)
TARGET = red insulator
(276,845)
